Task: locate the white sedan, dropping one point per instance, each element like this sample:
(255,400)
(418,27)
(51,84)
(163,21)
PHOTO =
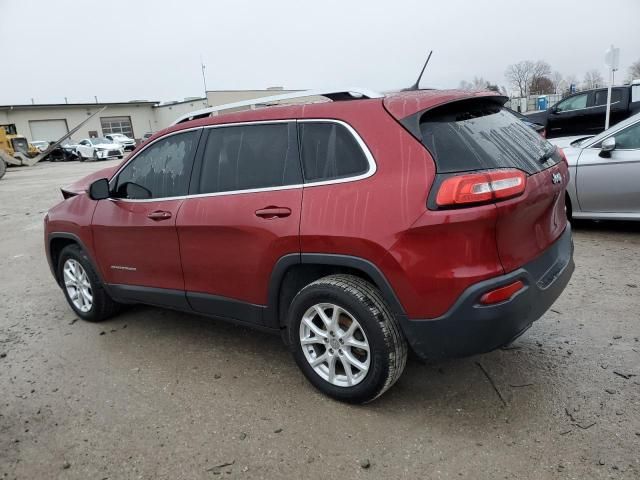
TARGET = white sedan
(126,142)
(98,149)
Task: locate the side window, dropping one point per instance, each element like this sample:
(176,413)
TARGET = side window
(164,169)
(601,97)
(629,138)
(573,103)
(330,151)
(250,156)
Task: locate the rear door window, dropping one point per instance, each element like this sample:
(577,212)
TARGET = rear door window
(249,157)
(330,151)
(601,97)
(477,135)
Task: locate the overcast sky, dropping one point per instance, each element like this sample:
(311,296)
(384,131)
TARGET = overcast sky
(135,49)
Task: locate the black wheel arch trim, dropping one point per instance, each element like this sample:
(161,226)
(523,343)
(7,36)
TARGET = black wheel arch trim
(272,313)
(69,236)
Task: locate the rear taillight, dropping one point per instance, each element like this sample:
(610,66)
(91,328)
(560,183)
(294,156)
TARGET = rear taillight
(489,186)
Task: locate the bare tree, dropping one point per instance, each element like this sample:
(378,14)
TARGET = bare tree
(593,79)
(541,69)
(558,82)
(522,74)
(541,85)
(478,83)
(634,71)
(519,76)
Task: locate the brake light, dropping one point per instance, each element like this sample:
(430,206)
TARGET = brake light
(501,294)
(492,185)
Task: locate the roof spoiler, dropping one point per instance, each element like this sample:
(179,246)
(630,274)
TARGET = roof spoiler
(335,95)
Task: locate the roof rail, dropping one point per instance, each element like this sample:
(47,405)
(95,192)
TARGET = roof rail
(334,95)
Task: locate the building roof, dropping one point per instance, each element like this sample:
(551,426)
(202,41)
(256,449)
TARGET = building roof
(76,105)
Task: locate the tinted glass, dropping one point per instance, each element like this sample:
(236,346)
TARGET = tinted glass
(250,156)
(573,103)
(164,168)
(601,97)
(477,135)
(330,151)
(629,138)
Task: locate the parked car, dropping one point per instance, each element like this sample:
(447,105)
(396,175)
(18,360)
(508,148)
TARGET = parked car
(605,173)
(584,113)
(128,143)
(99,148)
(355,229)
(535,126)
(41,145)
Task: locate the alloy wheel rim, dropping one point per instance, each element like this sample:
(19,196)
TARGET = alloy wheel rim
(78,286)
(335,345)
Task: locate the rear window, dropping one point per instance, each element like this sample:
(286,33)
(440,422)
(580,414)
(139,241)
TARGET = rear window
(479,135)
(329,151)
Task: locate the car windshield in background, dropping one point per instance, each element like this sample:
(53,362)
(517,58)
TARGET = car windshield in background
(95,141)
(477,135)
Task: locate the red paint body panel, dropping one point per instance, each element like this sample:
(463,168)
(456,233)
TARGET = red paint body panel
(527,225)
(227,250)
(125,239)
(440,255)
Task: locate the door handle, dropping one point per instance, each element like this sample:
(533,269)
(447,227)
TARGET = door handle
(273,212)
(159,215)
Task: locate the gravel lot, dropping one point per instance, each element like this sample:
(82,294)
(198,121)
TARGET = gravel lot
(157,394)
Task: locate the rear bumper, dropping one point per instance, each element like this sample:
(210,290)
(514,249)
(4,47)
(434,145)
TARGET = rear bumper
(469,327)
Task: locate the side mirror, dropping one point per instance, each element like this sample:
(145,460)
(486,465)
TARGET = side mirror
(607,146)
(99,190)
(554,109)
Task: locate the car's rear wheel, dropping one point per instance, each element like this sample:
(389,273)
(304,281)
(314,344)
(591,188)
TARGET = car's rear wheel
(345,339)
(82,287)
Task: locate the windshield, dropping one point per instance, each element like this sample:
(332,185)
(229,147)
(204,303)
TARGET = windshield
(618,126)
(119,135)
(100,140)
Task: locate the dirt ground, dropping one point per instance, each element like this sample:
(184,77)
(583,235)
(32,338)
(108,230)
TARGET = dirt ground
(155,394)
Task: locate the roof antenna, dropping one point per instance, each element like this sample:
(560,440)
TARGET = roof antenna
(416,86)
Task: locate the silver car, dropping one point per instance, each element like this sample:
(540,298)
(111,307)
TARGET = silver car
(605,173)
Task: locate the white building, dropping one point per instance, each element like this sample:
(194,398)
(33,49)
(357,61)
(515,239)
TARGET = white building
(49,122)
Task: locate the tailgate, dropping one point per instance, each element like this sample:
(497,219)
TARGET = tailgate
(527,225)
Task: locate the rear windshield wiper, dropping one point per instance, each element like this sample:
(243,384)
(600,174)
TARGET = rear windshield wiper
(548,154)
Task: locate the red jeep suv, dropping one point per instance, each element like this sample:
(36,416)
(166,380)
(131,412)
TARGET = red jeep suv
(358,228)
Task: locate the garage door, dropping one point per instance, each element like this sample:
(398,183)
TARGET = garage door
(117,125)
(47,130)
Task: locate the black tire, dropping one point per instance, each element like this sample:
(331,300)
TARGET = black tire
(80,157)
(388,347)
(102,306)
(3,168)
(95,155)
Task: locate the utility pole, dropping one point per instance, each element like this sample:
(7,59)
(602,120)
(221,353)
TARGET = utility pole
(612,59)
(204,77)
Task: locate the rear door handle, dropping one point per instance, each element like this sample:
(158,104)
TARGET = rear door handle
(159,215)
(273,212)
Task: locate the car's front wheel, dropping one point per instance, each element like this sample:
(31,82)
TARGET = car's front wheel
(345,339)
(82,287)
